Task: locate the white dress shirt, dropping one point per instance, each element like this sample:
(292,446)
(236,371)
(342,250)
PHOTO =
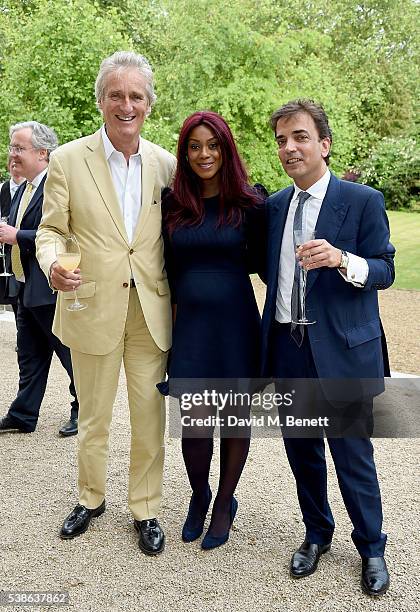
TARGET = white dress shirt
(127,182)
(13,187)
(357,270)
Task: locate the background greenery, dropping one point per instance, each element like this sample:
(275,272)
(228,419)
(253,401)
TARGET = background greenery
(242,58)
(405,236)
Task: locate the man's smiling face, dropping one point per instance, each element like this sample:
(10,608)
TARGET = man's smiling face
(301,151)
(124,106)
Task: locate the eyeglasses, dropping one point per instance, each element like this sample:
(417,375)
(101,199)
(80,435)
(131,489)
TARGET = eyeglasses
(19,150)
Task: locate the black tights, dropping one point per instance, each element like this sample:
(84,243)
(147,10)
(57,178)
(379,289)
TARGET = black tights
(197,453)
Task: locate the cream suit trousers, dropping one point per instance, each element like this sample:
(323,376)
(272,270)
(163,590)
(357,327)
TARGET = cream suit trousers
(96,378)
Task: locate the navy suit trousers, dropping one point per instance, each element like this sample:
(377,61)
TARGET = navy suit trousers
(353,460)
(36,345)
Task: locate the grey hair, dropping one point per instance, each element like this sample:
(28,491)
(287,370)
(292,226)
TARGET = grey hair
(43,137)
(123,60)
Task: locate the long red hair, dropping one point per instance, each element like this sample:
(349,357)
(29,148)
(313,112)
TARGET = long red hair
(186,205)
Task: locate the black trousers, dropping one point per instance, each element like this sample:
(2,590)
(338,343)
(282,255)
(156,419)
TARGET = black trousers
(36,345)
(353,461)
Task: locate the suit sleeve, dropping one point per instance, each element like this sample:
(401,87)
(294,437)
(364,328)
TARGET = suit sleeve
(173,171)
(374,244)
(167,247)
(55,216)
(256,226)
(26,241)
(5,199)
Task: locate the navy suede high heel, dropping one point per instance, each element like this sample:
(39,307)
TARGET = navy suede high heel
(189,533)
(210,541)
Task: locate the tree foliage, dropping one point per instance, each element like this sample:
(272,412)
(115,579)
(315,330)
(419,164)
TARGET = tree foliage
(241,58)
(50,62)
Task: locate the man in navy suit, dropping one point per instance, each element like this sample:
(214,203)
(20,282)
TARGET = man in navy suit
(30,145)
(350,259)
(9,188)
(7,192)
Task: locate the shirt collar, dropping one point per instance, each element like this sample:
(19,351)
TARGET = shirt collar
(37,180)
(109,147)
(318,189)
(13,185)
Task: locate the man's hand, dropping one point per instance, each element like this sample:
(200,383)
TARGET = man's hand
(318,254)
(62,279)
(8,234)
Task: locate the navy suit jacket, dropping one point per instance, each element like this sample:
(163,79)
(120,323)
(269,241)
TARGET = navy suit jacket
(346,340)
(36,291)
(5,199)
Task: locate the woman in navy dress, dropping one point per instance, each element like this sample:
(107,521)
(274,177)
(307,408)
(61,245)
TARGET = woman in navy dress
(213,229)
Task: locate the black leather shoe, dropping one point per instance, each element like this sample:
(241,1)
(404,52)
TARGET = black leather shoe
(305,560)
(7,423)
(151,536)
(78,521)
(375,577)
(69,428)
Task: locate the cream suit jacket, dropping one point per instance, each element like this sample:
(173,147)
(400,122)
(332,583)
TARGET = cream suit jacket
(80,197)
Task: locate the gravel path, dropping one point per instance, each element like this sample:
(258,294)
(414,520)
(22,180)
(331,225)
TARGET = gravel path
(104,569)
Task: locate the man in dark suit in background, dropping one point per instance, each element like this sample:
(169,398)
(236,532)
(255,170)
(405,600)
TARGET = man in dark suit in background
(7,192)
(30,146)
(350,259)
(9,188)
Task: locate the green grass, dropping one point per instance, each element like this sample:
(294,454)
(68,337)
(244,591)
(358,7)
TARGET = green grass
(405,236)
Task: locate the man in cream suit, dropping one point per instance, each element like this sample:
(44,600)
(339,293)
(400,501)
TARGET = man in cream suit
(106,190)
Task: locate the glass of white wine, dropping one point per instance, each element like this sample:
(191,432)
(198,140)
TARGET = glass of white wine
(300,237)
(3,221)
(68,255)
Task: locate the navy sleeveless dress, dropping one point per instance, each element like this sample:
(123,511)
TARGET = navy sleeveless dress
(217,329)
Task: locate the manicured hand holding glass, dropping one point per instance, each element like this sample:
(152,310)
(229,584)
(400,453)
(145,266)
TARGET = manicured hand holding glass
(318,254)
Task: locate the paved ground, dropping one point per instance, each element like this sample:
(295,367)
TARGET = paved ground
(104,569)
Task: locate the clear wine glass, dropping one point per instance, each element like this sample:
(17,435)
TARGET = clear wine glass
(68,255)
(300,238)
(3,221)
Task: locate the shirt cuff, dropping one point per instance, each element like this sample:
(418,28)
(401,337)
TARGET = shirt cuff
(357,271)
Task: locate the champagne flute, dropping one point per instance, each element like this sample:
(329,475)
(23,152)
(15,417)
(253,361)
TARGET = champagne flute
(300,237)
(3,221)
(68,255)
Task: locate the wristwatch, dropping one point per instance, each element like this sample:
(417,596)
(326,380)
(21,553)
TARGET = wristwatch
(344,262)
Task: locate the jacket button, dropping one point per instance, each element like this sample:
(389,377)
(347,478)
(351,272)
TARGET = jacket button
(125,285)
(131,251)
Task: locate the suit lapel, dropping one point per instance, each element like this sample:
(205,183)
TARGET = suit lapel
(16,203)
(35,198)
(148,179)
(331,216)
(101,174)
